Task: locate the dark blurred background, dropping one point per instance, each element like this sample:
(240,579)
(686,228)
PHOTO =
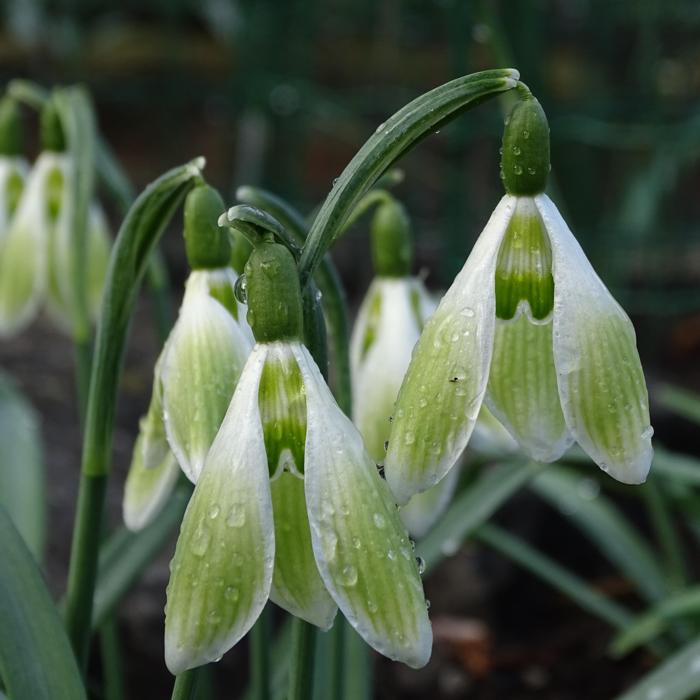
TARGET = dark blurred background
(281,94)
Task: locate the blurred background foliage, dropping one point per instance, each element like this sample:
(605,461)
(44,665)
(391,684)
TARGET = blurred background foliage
(281,94)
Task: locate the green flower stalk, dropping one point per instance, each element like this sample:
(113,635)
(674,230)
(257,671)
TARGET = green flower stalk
(530,328)
(35,249)
(289,506)
(197,371)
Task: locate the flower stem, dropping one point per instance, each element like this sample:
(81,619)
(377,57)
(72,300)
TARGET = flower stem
(301,672)
(260,657)
(336,670)
(185,687)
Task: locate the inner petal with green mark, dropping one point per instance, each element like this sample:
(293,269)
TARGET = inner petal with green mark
(524,268)
(283,411)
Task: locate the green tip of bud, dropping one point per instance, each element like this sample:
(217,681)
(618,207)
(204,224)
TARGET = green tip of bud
(52,136)
(11,132)
(207,245)
(275,310)
(392,252)
(525,153)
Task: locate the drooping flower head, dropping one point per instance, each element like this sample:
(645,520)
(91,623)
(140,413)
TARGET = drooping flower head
(289,506)
(36,249)
(198,368)
(530,328)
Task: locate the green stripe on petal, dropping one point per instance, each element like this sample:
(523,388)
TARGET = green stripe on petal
(205,354)
(283,410)
(13,174)
(424,509)
(147,489)
(23,251)
(222,569)
(362,549)
(522,391)
(601,382)
(296,584)
(392,315)
(443,389)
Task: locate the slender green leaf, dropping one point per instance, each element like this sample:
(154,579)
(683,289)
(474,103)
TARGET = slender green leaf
(557,576)
(678,467)
(36,661)
(681,401)
(579,499)
(656,620)
(126,555)
(22,467)
(473,507)
(389,142)
(676,679)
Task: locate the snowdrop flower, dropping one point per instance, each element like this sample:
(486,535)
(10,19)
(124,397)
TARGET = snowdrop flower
(289,506)
(35,251)
(197,370)
(528,326)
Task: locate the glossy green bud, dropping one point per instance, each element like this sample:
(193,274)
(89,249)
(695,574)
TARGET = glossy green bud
(273,293)
(392,252)
(525,154)
(52,136)
(11,133)
(207,245)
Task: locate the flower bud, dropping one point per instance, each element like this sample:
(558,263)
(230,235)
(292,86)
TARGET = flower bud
(207,245)
(391,240)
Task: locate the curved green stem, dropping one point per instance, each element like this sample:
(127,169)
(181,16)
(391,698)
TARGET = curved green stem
(392,139)
(260,657)
(333,295)
(138,236)
(185,687)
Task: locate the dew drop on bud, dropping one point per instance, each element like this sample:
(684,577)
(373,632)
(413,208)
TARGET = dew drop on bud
(421,565)
(240,289)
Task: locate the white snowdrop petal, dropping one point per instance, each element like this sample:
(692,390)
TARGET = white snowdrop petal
(442,392)
(222,569)
(362,549)
(205,355)
(600,378)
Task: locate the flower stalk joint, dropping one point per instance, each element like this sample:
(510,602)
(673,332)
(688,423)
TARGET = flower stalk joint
(11,136)
(392,252)
(208,246)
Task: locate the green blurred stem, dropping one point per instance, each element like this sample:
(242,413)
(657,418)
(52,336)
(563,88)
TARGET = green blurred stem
(303,652)
(260,657)
(185,687)
(666,534)
(112,667)
(336,670)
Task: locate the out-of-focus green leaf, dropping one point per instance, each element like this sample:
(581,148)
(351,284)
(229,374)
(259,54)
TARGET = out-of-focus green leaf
(676,679)
(579,499)
(22,467)
(677,467)
(473,507)
(36,660)
(681,401)
(656,621)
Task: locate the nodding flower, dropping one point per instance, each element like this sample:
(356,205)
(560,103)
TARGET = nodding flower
(528,328)
(289,506)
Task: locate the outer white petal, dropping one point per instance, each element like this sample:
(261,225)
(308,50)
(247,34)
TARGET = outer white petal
(445,384)
(388,326)
(23,251)
(601,383)
(205,354)
(222,569)
(424,509)
(361,547)
(222,284)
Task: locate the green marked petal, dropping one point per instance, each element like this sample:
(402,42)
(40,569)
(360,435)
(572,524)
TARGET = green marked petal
(387,328)
(222,283)
(443,389)
(296,584)
(205,355)
(147,488)
(522,391)
(362,549)
(222,569)
(13,174)
(154,446)
(23,250)
(601,383)
(424,509)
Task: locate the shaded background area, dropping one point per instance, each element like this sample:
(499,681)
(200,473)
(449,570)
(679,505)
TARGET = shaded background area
(282,94)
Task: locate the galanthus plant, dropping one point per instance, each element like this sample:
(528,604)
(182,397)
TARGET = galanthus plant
(530,328)
(197,371)
(289,505)
(36,248)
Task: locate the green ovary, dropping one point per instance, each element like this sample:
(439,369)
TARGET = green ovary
(524,266)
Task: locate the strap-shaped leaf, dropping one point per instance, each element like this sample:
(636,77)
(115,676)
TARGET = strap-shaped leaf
(389,142)
(36,660)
